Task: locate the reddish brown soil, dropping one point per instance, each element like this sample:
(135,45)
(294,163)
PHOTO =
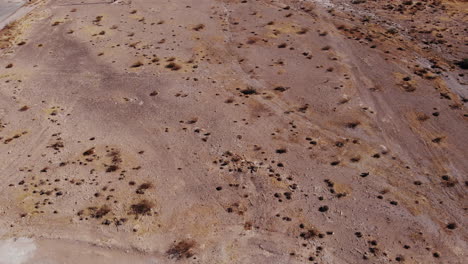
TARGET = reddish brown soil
(229,131)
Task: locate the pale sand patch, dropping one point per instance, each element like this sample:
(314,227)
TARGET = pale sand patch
(16,250)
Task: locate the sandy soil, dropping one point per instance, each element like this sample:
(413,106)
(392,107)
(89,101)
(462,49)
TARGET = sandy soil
(229,131)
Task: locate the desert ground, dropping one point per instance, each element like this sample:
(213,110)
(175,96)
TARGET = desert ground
(234,131)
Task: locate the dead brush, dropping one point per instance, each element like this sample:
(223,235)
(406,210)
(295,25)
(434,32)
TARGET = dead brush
(353,125)
(97,19)
(182,249)
(24,108)
(198,27)
(88,152)
(249,90)
(141,208)
(137,64)
(343,101)
(280,88)
(134,44)
(7,34)
(143,187)
(251,40)
(57,145)
(99,212)
(112,168)
(173,66)
(302,31)
(115,155)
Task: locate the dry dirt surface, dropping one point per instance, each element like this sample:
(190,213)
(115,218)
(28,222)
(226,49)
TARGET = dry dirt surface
(234,131)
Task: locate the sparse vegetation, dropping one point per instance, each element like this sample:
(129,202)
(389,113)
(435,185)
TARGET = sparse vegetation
(463,64)
(141,208)
(137,64)
(181,250)
(260,119)
(198,27)
(173,66)
(249,91)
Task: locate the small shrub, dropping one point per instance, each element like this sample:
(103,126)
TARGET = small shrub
(302,31)
(463,64)
(249,90)
(181,250)
(173,66)
(198,27)
(136,64)
(24,108)
(141,208)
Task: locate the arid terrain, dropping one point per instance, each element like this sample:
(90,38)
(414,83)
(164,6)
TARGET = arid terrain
(234,131)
